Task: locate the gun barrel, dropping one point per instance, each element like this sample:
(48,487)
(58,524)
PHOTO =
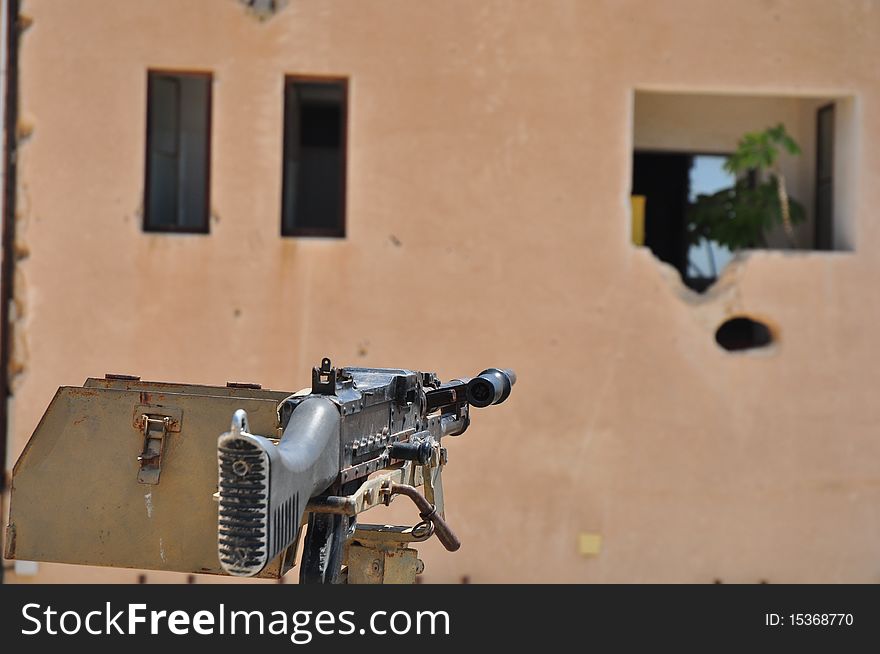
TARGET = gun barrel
(491,386)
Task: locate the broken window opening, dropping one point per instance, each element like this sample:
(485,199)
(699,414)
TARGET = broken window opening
(694,212)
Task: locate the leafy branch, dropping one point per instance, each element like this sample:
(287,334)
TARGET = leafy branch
(739,216)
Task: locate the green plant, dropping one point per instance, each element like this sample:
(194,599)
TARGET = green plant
(739,217)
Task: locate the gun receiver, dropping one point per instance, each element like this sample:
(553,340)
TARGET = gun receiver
(354,423)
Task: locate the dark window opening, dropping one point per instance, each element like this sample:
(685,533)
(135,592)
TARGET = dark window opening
(313,196)
(824,177)
(178,152)
(743,333)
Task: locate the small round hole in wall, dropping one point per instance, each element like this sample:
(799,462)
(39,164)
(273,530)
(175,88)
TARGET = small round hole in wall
(741,333)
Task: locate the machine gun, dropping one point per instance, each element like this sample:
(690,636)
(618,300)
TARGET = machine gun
(84,491)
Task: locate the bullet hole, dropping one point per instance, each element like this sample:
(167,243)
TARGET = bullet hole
(395,241)
(190,579)
(741,333)
(142,579)
(763,581)
(264,9)
(466,579)
(717,581)
(363,348)
(237,313)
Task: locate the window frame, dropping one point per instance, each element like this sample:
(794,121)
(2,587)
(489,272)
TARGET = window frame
(205,225)
(338,231)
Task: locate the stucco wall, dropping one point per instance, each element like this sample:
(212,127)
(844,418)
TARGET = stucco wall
(493,142)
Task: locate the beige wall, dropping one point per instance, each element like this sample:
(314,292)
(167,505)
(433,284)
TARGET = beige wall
(493,141)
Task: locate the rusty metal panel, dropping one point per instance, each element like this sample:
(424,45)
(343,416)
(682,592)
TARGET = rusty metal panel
(76,496)
(379,555)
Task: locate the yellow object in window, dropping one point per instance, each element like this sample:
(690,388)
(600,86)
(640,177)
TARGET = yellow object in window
(638,219)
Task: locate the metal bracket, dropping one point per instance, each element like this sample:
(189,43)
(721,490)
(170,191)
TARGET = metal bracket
(433,478)
(378,554)
(154,427)
(369,494)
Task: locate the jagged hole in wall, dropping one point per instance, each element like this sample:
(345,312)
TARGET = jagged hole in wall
(741,333)
(264,9)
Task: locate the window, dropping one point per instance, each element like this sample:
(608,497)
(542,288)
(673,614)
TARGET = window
(695,213)
(178,152)
(313,196)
